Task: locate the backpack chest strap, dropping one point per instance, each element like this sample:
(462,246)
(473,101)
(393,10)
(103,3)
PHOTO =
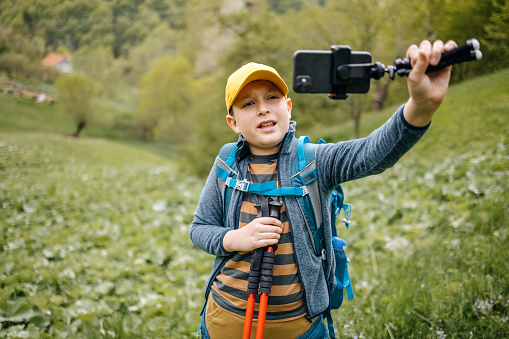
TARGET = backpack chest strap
(268,188)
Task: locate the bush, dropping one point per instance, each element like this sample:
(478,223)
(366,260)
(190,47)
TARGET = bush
(16,65)
(19,66)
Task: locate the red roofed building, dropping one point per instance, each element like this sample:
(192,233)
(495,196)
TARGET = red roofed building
(59,61)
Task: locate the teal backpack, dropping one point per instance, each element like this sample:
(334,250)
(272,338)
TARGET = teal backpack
(305,188)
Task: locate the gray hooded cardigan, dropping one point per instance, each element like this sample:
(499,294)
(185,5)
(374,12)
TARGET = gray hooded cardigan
(335,164)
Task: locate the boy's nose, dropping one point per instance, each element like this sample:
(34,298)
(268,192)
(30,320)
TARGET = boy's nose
(262,110)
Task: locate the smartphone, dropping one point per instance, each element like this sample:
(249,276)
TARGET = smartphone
(318,71)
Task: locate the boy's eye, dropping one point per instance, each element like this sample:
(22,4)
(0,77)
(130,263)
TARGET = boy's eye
(249,103)
(273,97)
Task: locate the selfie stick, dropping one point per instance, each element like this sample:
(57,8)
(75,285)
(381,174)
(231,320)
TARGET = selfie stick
(467,52)
(260,273)
(341,71)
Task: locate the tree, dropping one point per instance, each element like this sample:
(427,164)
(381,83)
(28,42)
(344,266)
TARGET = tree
(253,28)
(365,23)
(93,62)
(497,34)
(165,98)
(209,128)
(75,92)
(161,42)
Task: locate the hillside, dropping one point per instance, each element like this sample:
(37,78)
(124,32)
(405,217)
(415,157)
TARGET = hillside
(94,239)
(429,235)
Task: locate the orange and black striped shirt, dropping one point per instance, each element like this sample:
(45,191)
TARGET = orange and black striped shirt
(229,291)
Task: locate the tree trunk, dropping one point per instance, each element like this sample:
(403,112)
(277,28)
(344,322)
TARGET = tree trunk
(79,128)
(355,104)
(381,95)
(357,122)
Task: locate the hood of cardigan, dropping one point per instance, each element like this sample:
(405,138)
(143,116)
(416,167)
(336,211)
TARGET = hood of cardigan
(243,149)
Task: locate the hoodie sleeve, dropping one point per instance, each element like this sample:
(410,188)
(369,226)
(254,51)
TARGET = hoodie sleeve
(355,159)
(207,229)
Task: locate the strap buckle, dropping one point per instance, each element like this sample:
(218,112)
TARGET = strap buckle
(240,185)
(305,191)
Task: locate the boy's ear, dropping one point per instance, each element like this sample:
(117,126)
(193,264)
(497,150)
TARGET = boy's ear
(289,105)
(230,119)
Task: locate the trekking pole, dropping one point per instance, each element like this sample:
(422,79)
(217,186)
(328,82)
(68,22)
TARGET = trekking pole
(265,290)
(252,290)
(262,264)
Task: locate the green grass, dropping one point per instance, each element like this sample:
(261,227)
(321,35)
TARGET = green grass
(429,244)
(110,121)
(94,233)
(24,115)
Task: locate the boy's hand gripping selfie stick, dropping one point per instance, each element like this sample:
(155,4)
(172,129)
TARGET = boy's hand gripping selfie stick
(341,71)
(260,273)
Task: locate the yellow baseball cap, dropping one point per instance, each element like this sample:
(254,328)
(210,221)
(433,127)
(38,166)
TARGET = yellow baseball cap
(247,73)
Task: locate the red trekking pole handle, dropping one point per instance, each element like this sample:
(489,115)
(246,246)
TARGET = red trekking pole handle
(262,264)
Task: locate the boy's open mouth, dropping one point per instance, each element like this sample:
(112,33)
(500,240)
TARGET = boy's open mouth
(266,124)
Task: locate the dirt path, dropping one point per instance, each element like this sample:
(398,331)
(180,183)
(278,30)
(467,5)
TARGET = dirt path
(17,89)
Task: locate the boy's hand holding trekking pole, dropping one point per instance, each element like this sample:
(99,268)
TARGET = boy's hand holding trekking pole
(260,232)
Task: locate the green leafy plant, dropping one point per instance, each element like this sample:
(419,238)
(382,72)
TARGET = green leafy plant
(94,234)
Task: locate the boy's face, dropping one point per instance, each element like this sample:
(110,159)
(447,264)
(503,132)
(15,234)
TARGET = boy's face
(261,113)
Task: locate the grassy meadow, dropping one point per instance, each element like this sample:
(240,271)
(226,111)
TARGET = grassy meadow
(94,233)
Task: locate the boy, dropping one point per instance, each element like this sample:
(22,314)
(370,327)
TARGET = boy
(260,112)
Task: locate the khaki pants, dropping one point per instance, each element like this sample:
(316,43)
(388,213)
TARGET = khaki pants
(224,325)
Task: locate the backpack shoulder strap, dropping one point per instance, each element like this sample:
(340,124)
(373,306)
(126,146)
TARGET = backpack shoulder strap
(306,151)
(304,173)
(227,153)
(305,167)
(226,170)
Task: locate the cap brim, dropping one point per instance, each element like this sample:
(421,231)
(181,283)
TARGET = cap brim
(261,74)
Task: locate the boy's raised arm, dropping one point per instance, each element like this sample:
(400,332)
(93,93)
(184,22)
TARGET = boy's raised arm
(354,159)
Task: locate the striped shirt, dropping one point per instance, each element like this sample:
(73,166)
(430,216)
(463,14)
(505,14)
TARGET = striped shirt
(229,290)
